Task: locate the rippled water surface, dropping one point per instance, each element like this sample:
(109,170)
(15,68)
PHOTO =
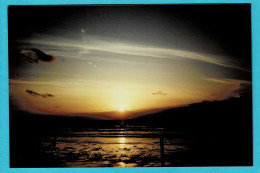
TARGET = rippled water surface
(129,146)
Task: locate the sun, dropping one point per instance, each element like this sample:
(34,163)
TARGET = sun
(121,108)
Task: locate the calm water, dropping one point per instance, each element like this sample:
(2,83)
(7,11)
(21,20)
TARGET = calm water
(119,146)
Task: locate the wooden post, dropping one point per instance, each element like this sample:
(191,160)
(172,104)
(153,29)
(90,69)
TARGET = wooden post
(162,150)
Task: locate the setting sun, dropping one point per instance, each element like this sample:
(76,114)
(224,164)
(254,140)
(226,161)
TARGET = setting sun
(121,108)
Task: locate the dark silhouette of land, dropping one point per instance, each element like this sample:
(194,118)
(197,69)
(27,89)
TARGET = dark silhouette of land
(219,133)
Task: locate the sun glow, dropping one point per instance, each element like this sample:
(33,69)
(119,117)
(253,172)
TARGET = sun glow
(121,108)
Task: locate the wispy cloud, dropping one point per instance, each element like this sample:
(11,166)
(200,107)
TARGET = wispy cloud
(39,83)
(108,45)
(228,81)
(159,93)
(222,81)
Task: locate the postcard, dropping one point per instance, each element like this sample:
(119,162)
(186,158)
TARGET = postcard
(154,85)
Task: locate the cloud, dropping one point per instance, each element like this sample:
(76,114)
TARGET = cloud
(222,81)
(83,31)
(35,55)
(244,89)
(47,95)
(159,93)
(108,45)
(35,94)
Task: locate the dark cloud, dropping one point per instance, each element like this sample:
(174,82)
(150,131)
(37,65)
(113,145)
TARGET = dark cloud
(245,89)
(33,93)
(35,55)
(47,95)
(160,93)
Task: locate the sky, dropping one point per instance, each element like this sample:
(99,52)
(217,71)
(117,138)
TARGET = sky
(115,60)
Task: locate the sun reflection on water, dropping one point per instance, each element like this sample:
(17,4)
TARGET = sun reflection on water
(122,140)
(120,150)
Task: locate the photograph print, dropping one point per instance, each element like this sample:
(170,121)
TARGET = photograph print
(130,85)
